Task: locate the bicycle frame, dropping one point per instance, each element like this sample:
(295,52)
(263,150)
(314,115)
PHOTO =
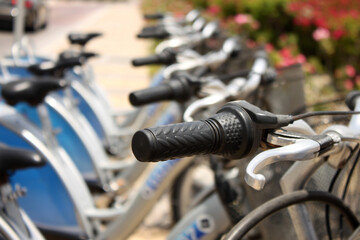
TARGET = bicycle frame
(72,188)
(291,182)
(76,131)
(14,223)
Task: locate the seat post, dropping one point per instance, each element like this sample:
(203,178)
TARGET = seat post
(46,127)
(69,100)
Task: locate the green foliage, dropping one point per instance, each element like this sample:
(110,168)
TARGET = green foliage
(326,33)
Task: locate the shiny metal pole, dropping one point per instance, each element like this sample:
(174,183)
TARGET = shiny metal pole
(19,20)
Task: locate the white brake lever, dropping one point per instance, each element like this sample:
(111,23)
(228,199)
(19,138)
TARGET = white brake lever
(178,41)
(304,149)
(202,103)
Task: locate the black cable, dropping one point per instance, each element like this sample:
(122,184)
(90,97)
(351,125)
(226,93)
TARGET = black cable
(331,186)
(286,200)
(348,182)
(320,113)
(327,207)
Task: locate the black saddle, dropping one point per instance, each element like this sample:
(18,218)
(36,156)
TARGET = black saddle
(55,69)
(81,56)
(82,38)
(17,158)
(30,91)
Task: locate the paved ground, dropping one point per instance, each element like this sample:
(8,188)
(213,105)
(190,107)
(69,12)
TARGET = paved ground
(119,22)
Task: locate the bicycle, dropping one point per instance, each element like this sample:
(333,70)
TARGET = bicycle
(336,146)
(14,222)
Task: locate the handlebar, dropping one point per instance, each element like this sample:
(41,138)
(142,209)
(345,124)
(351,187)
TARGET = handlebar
(157,34)
(165,57)
(154,16)
(212,59)
(224,133)
(234,132)
(177,89)
(238,88)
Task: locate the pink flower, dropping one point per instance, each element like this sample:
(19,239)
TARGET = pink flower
(338,33)
(214,9)
(286,62)
(285,52)
(321,33)
(321,22)
(300,58)
(349,85)
(350,70)
(242,19)
(269,47)
(250,43)
(302,21)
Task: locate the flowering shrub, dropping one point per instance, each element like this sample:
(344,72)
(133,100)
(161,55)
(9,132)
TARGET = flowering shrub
(323,35)
(335,28)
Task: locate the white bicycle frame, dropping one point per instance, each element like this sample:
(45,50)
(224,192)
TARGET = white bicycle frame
(14,222)
(126,217)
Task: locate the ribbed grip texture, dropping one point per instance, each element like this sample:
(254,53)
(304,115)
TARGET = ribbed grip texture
(231,133)
(173,141)
(233,130)
(176,89)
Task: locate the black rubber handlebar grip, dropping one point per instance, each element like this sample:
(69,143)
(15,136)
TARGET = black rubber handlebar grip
(177,89)
(154,59)
(155,28)
(230,133)
(154,34)
(154,16)
(167,56)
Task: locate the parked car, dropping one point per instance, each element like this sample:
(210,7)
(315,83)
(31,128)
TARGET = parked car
(36,14)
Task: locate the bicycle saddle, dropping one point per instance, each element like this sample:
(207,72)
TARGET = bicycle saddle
(55,69)
(17,158)
(30,91)
(82,38)
(65,55)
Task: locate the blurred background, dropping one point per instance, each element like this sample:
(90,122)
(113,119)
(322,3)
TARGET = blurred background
(321,35)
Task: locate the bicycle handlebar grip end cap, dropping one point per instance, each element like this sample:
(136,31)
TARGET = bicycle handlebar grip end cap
(142,144)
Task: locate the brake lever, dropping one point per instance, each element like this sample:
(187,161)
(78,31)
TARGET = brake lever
(217,93)
(304,149)
(201,104)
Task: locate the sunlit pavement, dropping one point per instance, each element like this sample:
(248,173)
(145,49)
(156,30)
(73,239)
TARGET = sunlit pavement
(119,22)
